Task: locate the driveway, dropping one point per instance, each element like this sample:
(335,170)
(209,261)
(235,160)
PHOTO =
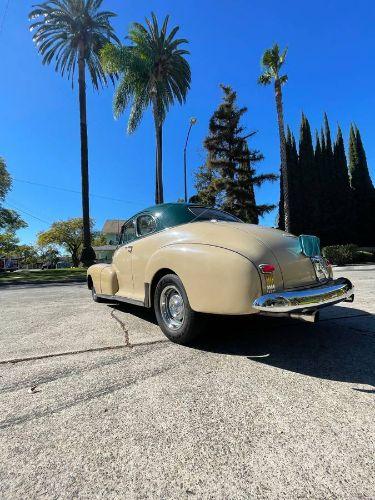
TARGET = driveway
(96,403)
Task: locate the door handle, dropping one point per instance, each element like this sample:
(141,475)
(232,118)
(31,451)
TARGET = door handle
(130,249)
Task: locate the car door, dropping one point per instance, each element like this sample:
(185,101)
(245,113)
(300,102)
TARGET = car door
(122,260)
(144,247)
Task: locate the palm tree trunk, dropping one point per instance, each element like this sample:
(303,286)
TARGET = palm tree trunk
(88,254)
(159,153)
(284,167)
(159,195)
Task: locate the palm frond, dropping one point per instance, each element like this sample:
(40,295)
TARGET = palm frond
(271,63)
(265,79)
(64,27)
(153,70)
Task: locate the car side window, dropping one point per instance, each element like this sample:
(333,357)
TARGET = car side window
(146,224)
(128,233)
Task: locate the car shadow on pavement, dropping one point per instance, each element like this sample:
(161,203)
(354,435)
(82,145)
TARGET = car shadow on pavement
(140,312)
(341,349)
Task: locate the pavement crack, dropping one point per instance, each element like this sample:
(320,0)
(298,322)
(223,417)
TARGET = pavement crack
(125,329)
(87,397)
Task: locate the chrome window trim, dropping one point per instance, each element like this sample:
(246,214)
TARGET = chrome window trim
(212,208)
(121,242)
(136,225)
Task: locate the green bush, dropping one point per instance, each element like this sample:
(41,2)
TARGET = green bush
(340,254)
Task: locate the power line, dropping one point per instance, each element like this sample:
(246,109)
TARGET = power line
(28,213)
(75,191)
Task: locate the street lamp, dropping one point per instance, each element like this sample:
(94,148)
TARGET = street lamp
(193,121)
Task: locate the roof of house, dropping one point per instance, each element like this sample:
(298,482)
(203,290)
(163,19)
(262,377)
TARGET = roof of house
(113,226)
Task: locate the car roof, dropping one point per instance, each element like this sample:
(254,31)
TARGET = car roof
(170,214)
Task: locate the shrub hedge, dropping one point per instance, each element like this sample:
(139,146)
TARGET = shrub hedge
(347,254)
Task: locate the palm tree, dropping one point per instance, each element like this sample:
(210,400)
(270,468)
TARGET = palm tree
(71,33)
(154,73)
(272,61)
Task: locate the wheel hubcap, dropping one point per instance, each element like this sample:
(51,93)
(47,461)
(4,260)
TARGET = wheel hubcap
(172,307)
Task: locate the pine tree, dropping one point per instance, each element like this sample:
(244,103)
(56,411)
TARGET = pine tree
(309,182)
(362,191)
(228,177)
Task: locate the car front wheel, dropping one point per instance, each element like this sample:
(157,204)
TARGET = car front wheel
(173,312)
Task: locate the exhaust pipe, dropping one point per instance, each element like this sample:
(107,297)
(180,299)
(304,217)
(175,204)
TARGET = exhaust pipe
(312,317)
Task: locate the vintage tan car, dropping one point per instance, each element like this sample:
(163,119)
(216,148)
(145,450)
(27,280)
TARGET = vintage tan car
(184,260)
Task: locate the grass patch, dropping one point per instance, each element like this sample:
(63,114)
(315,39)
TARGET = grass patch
(46,275)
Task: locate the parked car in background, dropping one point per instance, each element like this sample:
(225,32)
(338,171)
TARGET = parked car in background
(185,260)
(9,264)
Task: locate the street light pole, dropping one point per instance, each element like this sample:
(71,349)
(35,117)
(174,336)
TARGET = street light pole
(193,121)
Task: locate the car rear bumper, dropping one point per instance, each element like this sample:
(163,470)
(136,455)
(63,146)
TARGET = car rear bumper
(308,299)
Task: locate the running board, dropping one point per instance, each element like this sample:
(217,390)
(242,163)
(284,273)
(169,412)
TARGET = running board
(117,298)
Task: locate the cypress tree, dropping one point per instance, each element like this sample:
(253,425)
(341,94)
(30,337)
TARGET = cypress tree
(318,149)
(326,174)
(309,182)
(328,153)
(362,191)
(341,194)
(294,185)
(228,177)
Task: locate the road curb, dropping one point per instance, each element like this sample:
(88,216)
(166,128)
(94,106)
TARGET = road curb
(12,283)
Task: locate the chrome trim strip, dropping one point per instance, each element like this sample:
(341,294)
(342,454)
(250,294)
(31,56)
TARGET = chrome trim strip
(307,299)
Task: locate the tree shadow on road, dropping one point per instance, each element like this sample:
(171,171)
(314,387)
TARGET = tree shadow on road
(341,349)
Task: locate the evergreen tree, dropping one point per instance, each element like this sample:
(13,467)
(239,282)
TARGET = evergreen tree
(362,191)
(293,185)
(326,174)
(341,194)
(309,182)
(228,177)
(318,149)
(328,153)
(205,186)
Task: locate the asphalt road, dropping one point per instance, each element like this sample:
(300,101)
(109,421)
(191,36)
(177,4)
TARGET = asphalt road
(257,409)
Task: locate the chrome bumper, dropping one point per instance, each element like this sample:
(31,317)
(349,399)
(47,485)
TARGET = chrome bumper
(308,299)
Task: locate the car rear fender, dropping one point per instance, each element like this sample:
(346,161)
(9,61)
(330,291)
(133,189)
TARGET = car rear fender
(216,280)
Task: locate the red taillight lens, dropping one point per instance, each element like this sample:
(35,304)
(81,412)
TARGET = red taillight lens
(267,268)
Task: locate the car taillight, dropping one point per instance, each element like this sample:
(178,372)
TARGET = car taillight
(267,270)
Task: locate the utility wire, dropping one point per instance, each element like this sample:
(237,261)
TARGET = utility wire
(76,192)
(28,213)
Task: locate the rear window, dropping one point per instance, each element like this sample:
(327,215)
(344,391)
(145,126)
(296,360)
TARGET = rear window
(202,213)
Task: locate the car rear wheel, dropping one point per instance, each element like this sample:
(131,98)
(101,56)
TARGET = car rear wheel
(173,312)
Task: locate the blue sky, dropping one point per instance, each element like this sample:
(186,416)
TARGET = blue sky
(330,67)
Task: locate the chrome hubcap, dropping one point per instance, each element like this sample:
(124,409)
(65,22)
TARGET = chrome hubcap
(172,307)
